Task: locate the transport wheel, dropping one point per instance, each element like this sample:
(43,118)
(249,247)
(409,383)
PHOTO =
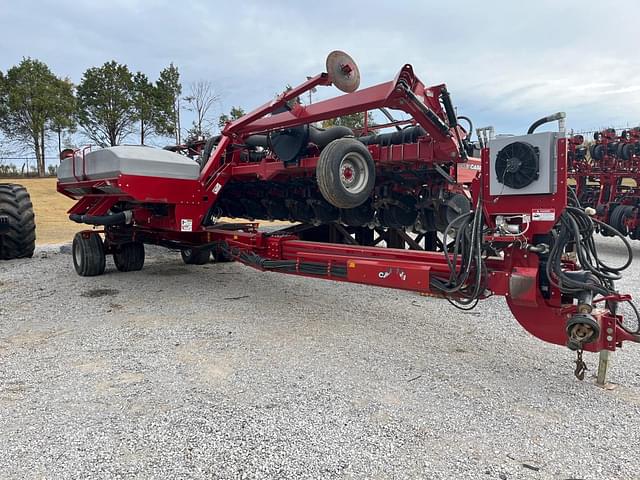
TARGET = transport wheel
(345,173)
(129,257)
(195,256)
(88,254)
(18,228)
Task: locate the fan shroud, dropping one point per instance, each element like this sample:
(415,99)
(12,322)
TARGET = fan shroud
(523,164)
(518,165)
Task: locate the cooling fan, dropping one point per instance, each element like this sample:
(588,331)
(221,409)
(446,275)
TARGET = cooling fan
(517,165)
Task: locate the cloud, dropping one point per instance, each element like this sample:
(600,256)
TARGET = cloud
(506,63)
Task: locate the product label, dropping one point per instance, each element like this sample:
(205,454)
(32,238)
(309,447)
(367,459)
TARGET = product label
(543,214)
(186,225)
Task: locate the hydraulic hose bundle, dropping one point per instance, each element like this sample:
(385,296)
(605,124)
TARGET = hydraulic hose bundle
(467,278)
(574,232)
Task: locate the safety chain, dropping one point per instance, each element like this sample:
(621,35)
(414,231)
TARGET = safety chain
(581,367)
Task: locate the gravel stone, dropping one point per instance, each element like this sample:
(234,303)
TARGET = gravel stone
(220,371)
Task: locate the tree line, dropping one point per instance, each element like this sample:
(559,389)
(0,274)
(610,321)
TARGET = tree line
(109,105)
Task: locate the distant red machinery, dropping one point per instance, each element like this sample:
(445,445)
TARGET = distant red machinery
(607,176)
(407,208)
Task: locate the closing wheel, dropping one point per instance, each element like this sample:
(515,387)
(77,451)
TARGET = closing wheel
(88,254)
(129,257)
(195,256)
(345,173)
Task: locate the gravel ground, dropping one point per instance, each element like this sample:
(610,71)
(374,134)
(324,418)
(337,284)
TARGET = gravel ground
(220,371)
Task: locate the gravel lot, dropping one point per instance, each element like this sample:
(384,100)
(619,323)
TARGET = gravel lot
(220,371)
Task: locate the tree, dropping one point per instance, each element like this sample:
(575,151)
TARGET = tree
(294,101)
(200,100)
(234,114)
(31,96)
(169,89)
(144,104)
(64,118)
(106,109)
(354,121)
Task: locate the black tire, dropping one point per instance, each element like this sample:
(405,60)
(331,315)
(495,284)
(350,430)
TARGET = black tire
(195,256)
(625,151)
(129,257)
(219,256)
(359,216)
(606,232)
(19,239)
(339,158)
(623,213)
(88,254)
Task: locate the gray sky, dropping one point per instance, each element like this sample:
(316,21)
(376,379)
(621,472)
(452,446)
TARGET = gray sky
(506,62)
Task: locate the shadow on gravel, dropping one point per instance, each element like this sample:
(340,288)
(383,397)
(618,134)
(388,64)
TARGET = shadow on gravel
(100,292)
(168,271)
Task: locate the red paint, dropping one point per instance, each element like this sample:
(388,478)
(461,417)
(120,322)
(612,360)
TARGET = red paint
(162,207)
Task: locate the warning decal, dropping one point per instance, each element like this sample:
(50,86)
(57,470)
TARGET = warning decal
(543,214)
(186,225)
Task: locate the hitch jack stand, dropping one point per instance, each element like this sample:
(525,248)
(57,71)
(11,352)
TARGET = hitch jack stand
(603,366)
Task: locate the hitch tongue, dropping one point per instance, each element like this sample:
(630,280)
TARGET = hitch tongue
(581,328)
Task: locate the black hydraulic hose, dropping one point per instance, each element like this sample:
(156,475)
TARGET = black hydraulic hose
(387,114)
(435,120)
(467,245)
(468,120)
(448,108)
(119,218)
(323,137)
(576,229)
(543,120)
(257,141)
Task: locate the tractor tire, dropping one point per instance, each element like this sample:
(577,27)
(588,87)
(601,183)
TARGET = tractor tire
(129,257)
(19,240)
(88,254)
(345,173)
(195,256)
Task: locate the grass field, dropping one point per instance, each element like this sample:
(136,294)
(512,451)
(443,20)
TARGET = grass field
(52,223)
